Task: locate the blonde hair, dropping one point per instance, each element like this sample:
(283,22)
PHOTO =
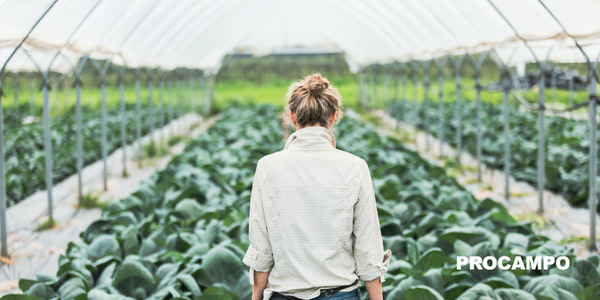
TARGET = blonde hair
(313,101)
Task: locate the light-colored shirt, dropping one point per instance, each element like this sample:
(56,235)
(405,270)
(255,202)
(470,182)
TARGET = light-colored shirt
(308,202)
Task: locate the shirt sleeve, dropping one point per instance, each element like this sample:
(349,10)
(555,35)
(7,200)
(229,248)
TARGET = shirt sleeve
(371,260)
(259,256)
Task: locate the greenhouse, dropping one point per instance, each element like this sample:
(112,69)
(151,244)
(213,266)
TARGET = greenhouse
(131,131)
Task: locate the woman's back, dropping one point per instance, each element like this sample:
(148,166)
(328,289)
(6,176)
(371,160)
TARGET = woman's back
(313,218)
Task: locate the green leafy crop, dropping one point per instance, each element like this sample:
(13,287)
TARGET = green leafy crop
(183,234)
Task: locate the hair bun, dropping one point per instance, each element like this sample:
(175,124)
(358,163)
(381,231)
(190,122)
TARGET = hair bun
(316,84)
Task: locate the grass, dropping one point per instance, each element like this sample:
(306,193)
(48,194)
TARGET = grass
(577,240)
(47,224)
(538,222)
(174,140)
(153,149)
(91,200)
(454,168)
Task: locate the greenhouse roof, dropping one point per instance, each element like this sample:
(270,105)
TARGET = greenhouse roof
(199,33)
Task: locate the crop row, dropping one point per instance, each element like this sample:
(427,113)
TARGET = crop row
(567,143)
(184,233)
(24,144)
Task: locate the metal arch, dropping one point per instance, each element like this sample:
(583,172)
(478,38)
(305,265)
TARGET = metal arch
(574,40)
(3,231)
(436,19)
(181,45)
(47,138)
(23,41)
(176,45)
(401,26)
(515,31)
(137,25)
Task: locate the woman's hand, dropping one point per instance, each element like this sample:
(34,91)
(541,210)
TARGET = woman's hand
(260,284)
(374,289)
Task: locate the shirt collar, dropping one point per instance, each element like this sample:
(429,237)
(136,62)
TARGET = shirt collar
(314,137)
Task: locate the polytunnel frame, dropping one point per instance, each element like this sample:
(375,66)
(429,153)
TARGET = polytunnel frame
(506,88)
(211,79)
(77,70)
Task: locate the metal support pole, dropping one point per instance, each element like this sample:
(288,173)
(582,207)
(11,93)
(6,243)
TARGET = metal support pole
(104,146)
(478,113)
(415,119)
(426,102)
(150,73)
(205,104)
(211,89)
(479,87)
(362,88)
(47,146)
(161,104)
(542,136)
(171,102)
(179,100)
(505,90)
(397,95)
(404,92)
(457,64)
(188,100)
(593,156)
(67,88)
(17,87)
(123,119)
(138,100)
(553,82)
(395,88)
(571,87)
(375,78)
(31,95)
(79,136)
(3,231)
(441,106)
(192,99)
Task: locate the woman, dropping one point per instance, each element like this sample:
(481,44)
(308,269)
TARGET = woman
(308,202)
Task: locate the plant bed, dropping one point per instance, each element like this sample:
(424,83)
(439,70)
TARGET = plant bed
(567,144)
(25,155)
(184,233)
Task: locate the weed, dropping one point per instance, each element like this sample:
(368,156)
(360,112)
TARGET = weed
(152,149)
(174,140)
(538,222)
(91,200)
(47,224)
